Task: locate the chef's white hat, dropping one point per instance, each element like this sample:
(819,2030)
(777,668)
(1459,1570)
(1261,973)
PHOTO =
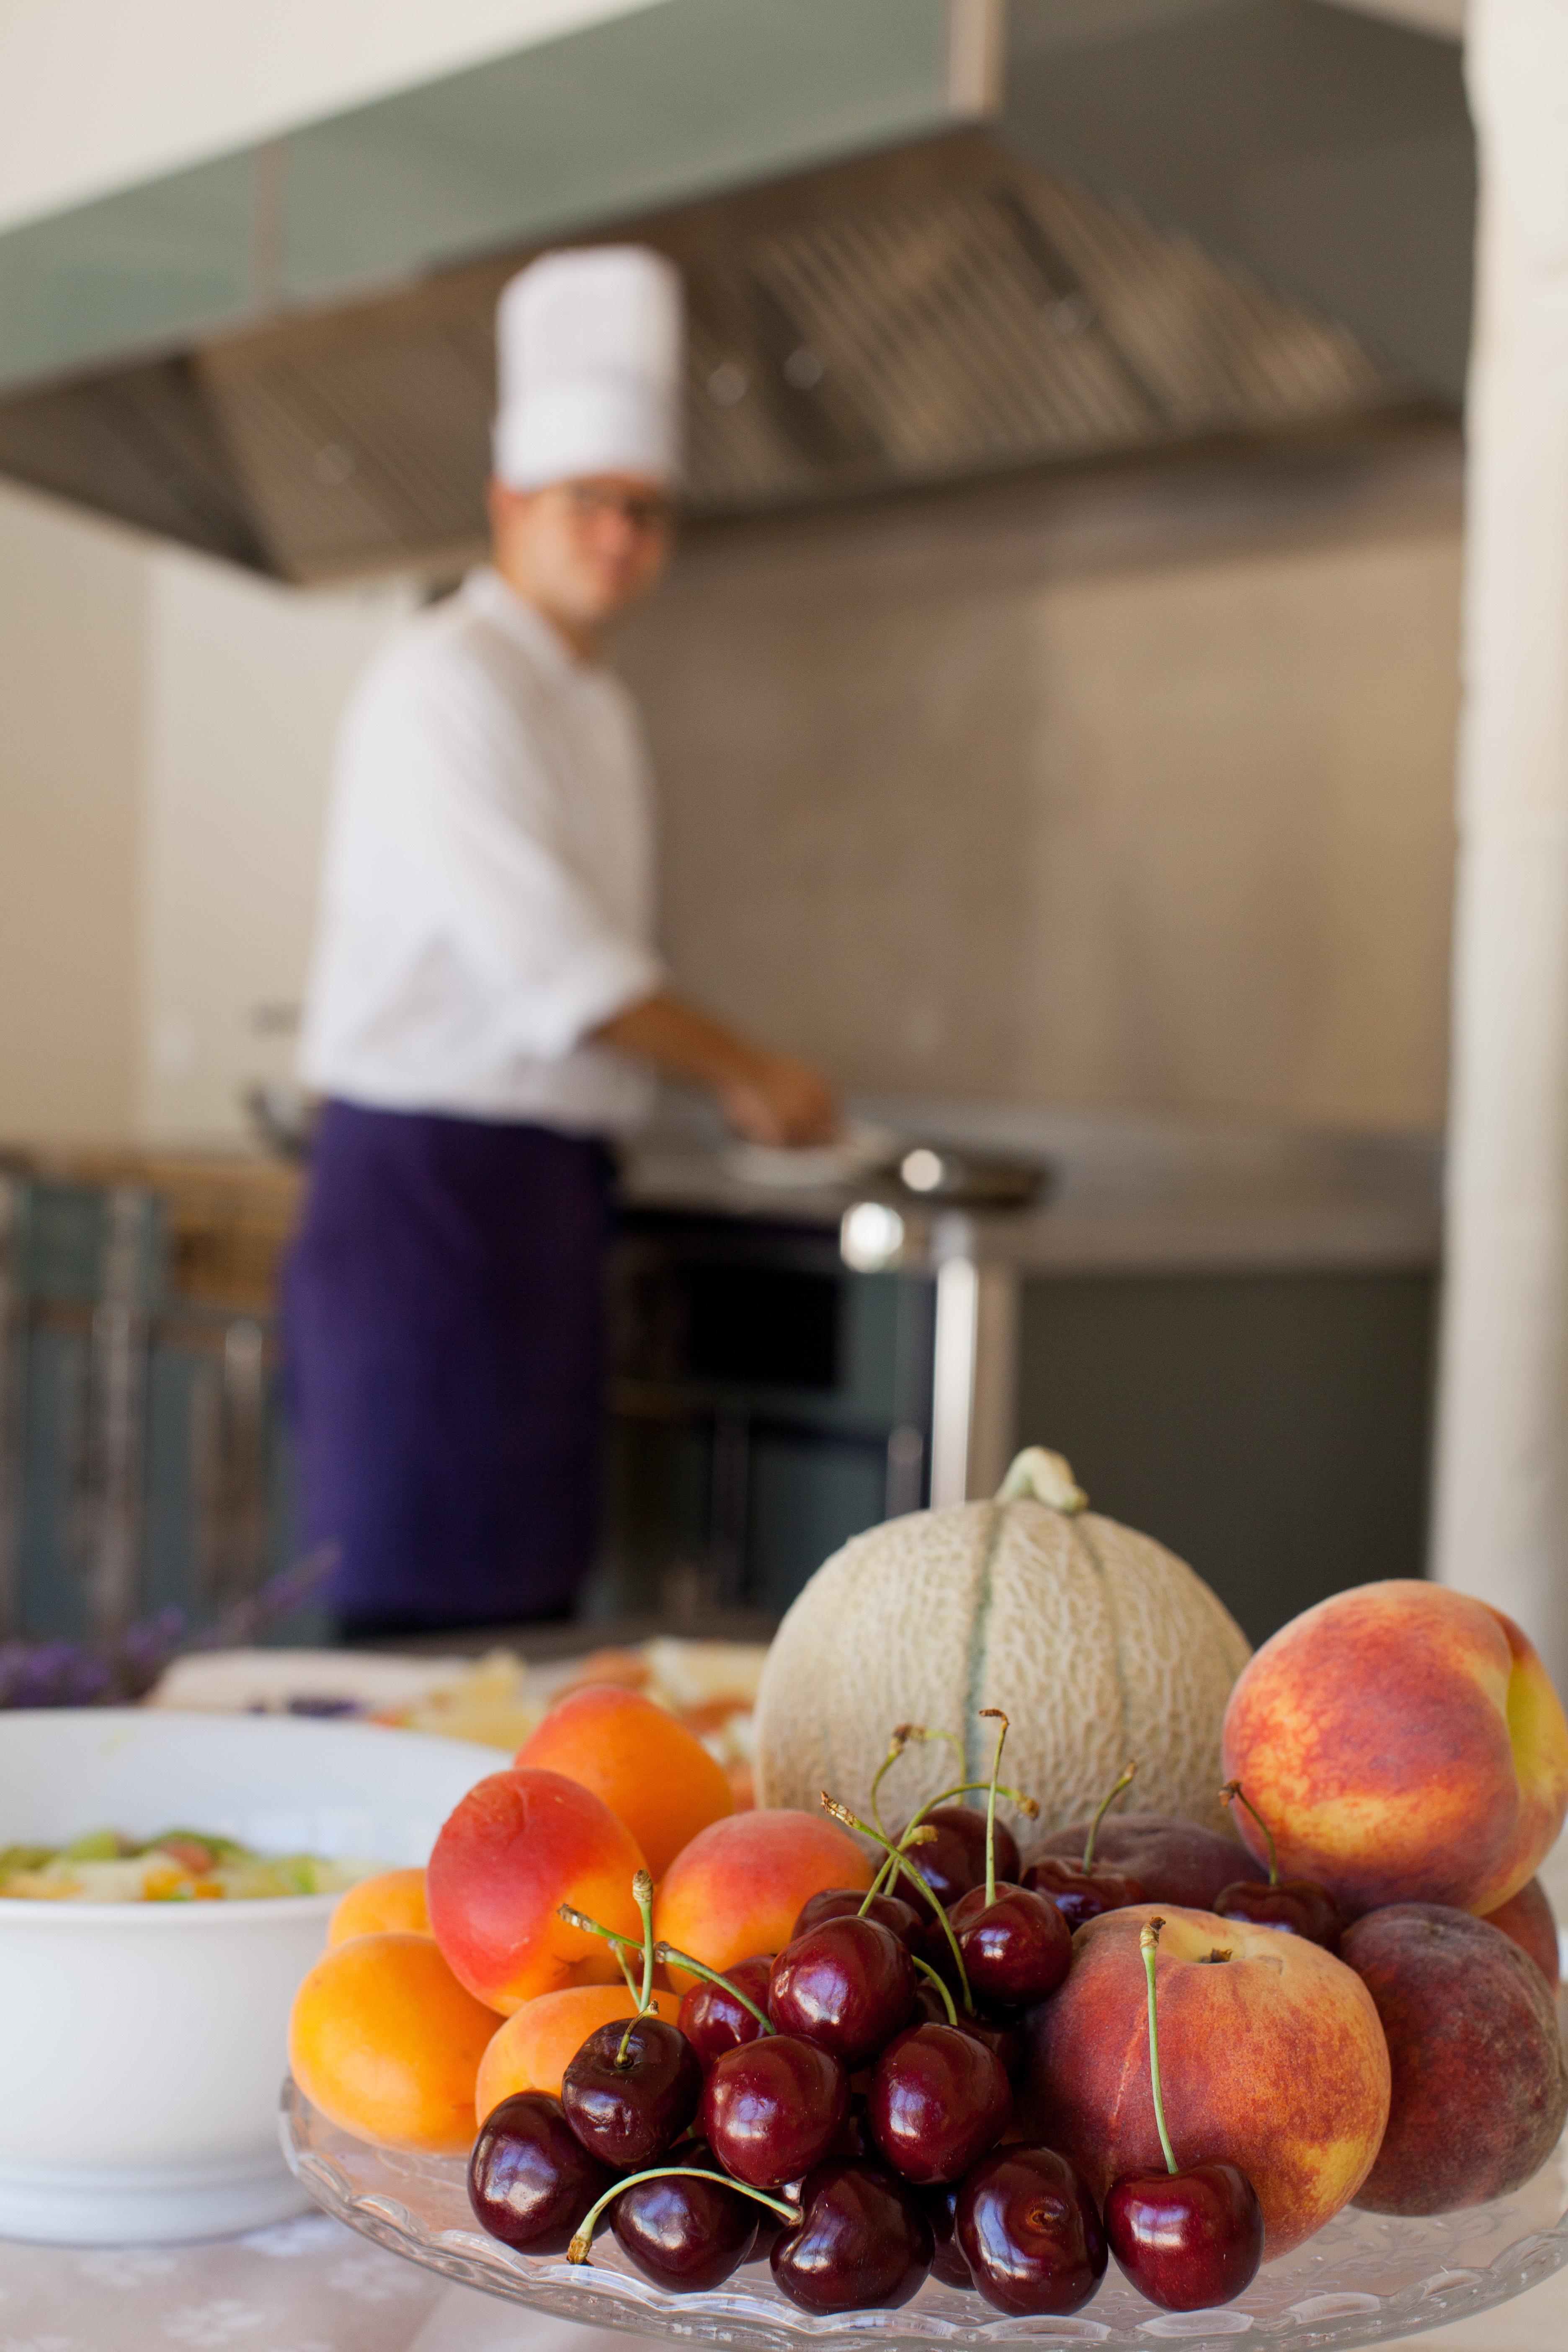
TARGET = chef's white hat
(588,364)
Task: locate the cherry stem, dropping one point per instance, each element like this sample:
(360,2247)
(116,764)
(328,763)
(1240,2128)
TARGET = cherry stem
(668,1957)
(642,1893)
(926,1969)
(991,1806)
(853,1821)
(903,1734)
(1234,1793)
(1106,1803)
(1149,1944)
(577,2251)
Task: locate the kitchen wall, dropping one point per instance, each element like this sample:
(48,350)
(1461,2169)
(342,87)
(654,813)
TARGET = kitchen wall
(1132,793)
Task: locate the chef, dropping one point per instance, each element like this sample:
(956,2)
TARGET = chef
(487,1008)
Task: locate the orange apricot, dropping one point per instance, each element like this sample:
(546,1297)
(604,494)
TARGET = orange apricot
(654,1774)
(532,2049)
(738,1886)
(392,1900)
(387,2043)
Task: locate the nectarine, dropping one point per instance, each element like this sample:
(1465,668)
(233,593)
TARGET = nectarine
(1270,2054)
(654,1774)
(516,1848)
(738,1886)
(387,2043)
(532,2049)
(1404,1744)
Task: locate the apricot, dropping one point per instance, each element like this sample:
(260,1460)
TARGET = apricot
(738,1886)
(387,2043)
(392,1900)
(516,1847)
(532,2048)
(653,1773)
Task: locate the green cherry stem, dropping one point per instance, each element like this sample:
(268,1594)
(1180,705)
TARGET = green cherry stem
(926,1969)
(577,2251)
(642,1894)
(1234,1793)
(853,1821)
(903,1735)
(668,1957)
(996,1712)
(1105,1805)
(1149,1944)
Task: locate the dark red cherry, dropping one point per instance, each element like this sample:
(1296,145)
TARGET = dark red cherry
(686,2233)
(712,2018)
(1002,2036)
(625,2109)
(1078,1894)
(847,1985)
(1297,1907)
(841,1902)
(940,2206)
(955,1861)
(773,2108)
(939,2099)
(1029,2232)
(530,2179)
(1187,2239)
(1017,1949)
(862,2242)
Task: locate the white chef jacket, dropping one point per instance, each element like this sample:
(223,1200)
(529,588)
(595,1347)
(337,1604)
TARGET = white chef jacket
(487,893)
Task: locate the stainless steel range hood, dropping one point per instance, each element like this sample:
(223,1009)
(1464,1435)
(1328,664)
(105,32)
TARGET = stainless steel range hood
(948,307)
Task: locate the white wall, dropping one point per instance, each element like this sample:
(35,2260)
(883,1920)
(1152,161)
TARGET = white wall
(97,94)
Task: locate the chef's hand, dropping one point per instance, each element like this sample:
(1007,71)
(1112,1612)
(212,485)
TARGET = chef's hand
(779,1101)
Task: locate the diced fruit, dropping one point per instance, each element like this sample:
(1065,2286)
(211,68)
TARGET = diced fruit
(531,2050)
(387,2043)
(516,1848)
(651,1772)
(393,1900)
(738,1886)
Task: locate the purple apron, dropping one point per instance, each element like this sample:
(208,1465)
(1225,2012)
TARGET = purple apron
(443,1332)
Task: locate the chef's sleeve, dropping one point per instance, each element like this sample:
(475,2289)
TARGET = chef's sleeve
(480,824)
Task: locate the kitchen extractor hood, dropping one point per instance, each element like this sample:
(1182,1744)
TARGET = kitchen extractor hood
(976,301)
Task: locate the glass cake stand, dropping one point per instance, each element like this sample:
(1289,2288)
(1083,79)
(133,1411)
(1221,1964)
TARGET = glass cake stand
(1367,2279)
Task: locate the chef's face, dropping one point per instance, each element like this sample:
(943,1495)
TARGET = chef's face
(583,550)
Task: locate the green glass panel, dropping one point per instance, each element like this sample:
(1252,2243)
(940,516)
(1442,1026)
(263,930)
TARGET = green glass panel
(649,109)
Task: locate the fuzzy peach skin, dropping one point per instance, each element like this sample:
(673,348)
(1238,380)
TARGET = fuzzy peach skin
(1528,1917)
(511,1852)
(1404,1744)
(738,1888)
(532,2049)
(1272,2060)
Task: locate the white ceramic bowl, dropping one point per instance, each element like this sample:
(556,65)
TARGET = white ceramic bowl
(142,2044)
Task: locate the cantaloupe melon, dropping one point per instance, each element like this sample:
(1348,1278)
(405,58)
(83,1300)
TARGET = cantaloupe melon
(1100,1644)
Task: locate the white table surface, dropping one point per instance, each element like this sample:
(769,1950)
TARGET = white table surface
(312,2285)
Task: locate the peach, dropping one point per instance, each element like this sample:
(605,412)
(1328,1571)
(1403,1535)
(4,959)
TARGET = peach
(1529,1918)
(387,2043)
(1481,2088)
(738,1886)
(1271,2058)
(392,1900)
(516,1848)
(1404,1745)
(653,1773)
(532,2049)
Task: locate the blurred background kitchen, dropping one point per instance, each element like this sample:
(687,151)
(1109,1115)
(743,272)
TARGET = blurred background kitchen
(1054,704)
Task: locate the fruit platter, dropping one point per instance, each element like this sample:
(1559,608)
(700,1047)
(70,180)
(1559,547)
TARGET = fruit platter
(976,2029)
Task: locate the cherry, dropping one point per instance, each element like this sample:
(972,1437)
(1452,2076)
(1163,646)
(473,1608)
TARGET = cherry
(862,2242)
(1002,2037)
(1186,2239)
(773,2108)
(1296,1907)
(1027,2228)
(939,2099)
(847,1985)
(954,1859)
(840,1902)
(1017,1945)
(1087,1889)
(948,2263)
(530,2179)
(712,2019)
(632,2089)
(685,2231)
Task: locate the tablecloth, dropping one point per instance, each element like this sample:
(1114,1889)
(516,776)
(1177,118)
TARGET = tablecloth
(312,2285)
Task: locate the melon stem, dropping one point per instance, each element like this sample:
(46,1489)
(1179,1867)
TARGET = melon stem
(1038,1475)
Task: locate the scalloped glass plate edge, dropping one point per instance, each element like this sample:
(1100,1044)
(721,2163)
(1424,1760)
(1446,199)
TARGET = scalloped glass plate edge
(1367,2279)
